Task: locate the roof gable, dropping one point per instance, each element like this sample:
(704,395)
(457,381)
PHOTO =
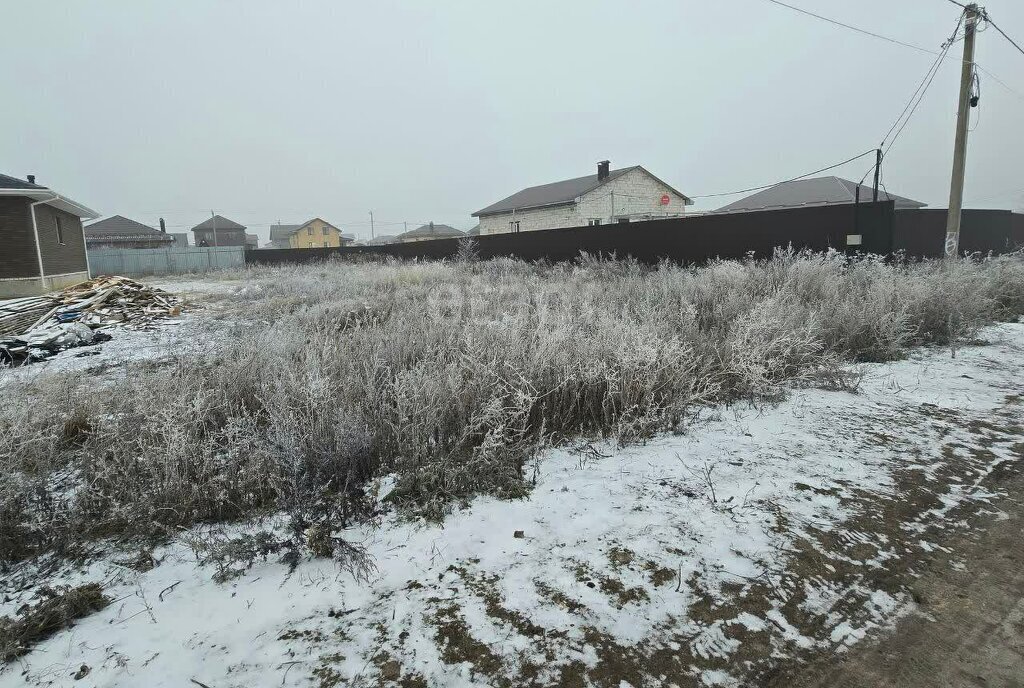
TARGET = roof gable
(278,232)
(12,186)
(8,182)
(218,222)
(121,226)
(556,193)
(432,231)
(563,192)
(811,192)
(315,219)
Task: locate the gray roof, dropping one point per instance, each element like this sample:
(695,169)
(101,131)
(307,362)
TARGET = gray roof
(475,231)
(382,239)
(431,231)
(12,186)
(120,227)
(218,222)
(812,192)
(7,182)
(278,232)
(559,193)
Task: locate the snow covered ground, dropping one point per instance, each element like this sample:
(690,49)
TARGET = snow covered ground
(759,536)
(157,340)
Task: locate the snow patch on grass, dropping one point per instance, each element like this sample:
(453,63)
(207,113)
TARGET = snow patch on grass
(684,557)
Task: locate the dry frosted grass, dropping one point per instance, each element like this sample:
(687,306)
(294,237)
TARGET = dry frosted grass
(451,375)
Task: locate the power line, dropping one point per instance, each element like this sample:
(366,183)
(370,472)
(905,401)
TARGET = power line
(995,26)
(903,43)
(927,84)
(852,28)
(791,179)
(1005,194)
(924,82)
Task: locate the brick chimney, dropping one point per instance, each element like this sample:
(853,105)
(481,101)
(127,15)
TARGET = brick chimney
(602,170)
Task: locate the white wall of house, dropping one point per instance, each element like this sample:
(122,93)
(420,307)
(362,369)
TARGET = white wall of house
(529,220)
(637,196)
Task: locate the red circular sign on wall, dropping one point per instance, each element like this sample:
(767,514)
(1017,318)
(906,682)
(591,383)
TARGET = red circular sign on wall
(665,199)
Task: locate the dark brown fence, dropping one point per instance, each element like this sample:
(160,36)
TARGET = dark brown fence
(686,240)
(921,233)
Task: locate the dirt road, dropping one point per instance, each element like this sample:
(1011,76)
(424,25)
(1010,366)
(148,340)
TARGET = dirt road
(969,629)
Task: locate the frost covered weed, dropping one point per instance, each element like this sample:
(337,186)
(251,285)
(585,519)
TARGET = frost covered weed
(56,610)
(450,375)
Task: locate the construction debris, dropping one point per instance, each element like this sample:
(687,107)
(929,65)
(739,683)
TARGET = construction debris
(35,328)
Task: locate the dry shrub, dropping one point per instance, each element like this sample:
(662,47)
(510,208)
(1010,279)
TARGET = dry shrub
(58,609)
(451,375)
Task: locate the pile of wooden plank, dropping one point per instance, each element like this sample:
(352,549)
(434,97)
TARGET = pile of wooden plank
(98,303)
(21,315)
(114,301)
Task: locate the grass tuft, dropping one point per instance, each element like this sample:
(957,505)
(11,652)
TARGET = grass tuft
(452,376)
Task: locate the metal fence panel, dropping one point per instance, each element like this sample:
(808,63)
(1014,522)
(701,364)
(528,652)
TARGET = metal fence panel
(694,239)
(141,262)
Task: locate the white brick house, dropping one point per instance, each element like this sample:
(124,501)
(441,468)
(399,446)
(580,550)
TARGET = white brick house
(627,195)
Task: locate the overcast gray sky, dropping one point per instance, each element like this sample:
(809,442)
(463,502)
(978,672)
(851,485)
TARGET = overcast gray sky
(269,111)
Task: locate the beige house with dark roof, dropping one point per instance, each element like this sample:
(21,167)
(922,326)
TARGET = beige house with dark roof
(315,233)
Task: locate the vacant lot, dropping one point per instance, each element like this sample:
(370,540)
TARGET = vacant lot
(712,474)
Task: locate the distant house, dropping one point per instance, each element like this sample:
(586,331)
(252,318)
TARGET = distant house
(382,240)
(813,192)
(315,233)
(219,231)
(42,245)
(118,231)
(252,241)
(625,195)
(281,235)
(180,239)
(475,231)
(429,231)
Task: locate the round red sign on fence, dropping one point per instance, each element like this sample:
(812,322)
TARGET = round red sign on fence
(665,199)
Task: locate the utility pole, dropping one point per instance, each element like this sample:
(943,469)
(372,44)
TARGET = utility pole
(956,185)
(214,216)
(372,235)
(878,168)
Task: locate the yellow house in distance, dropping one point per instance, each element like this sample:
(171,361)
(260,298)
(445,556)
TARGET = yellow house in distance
(316,233)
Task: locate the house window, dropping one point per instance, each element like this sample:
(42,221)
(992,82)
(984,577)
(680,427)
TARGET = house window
(325,244)
(60,230)
(513,226)
(309,231)
(623,220)
(326,230)
(594,221)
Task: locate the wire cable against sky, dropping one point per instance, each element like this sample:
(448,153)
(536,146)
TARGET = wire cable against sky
(905,44)
(791,179)
(924,82)
(929,78)
(852,28)
(995,26)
